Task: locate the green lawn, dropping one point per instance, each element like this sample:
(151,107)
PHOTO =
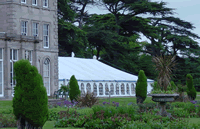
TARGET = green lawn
(49,125)
(5,105)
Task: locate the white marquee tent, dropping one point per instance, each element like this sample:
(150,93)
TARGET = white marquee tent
(93,75)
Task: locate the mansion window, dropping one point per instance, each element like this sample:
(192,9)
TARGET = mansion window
(34,2)
(46,75)
(46,35)
(35,29)
(28,56)
(13,59)
(23,1)
(45,3)
(24,28)
(1,72)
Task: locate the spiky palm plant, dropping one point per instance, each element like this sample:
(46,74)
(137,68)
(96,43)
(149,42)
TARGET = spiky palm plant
(164,65)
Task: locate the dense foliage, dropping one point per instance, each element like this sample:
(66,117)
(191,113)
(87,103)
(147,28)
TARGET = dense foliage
(74,91)
(116,115)
(141,85)
(114,36)
(87,100)
(30,102)
(192,93)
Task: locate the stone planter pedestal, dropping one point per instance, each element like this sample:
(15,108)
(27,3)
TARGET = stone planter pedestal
(163,99)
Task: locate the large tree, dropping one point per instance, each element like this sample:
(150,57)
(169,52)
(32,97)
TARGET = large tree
(70,38)
(171,30)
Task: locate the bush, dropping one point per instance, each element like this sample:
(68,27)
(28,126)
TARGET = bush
(7,120)
(172,87)
(30,102)
(155,86)
(191,92)
(53,115)
(74,91)
(88,100)
(71,118)
(141,86)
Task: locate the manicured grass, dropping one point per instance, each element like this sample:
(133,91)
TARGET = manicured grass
(49,125)
(5,105)
(198,93)
(194,120)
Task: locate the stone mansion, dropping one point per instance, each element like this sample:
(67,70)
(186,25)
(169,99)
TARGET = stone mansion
(28,30)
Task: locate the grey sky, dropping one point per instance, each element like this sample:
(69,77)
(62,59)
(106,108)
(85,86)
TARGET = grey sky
(187,10)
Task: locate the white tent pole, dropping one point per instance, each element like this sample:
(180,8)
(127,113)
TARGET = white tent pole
(103,88)
(114,84)
(85,84)
(129,87)
(108,86)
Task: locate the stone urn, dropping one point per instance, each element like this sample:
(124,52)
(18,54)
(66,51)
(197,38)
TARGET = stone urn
(163,99)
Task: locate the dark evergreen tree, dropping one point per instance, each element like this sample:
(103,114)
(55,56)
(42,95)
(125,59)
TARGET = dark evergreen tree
(192,93)
(141,87)
(74,91)
(30,102)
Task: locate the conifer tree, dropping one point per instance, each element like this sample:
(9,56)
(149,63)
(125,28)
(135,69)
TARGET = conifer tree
(74,91)
(141,86)
(30,102)
(191,91)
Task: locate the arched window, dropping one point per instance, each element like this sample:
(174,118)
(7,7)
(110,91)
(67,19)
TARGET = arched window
(1,73)
(117,89)
(100,89)
(112,89)
(82,89)
(132,89)
(95,89)
(88,88)
(122,89)
(46,75)
(127,89)
(106,89)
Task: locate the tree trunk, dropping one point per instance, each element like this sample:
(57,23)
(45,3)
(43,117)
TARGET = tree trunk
(23,124)
(140,100)
(20,123)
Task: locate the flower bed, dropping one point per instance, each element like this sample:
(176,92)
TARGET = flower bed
(113,115)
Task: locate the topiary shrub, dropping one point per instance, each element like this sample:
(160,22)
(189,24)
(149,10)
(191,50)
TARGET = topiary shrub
(74,91)
(30,102)
(191,91)
(141,87)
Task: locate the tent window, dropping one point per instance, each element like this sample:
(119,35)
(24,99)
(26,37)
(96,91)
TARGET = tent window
(117,89)
(106,89)
(122,89)
(112,89)
(95,89)
(127,89)
(88,87)
(100,89)
(132,89)
(82,89)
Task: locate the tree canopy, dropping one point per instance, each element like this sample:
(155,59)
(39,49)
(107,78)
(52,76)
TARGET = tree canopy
(114,36)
